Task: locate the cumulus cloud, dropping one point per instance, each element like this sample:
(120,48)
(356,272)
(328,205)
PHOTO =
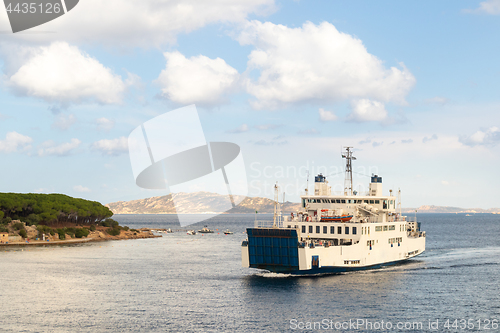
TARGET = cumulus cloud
(112,146)
(14,142)
(145,23)
(80,188)
(366,110)
(50,148)
(490,7)
(197,80)
(326,115)
(407,141)
(64,74)
(430,138)
(64,122)
(104,124)
(490,136)
(316,63)
(241,129)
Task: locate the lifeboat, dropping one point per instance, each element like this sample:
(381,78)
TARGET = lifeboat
(339,218)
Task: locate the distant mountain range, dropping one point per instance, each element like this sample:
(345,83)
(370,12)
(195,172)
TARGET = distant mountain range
(448,209)
(191,203)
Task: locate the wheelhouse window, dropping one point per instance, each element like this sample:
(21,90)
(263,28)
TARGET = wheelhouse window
(303,229)
(337,200)
(325,229)
(347,230)
(354,230)
(372,202)
(310,229)
(317,229)
(339,230)
(332,230)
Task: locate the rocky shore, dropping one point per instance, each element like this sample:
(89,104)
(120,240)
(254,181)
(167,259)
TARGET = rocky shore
(94,236)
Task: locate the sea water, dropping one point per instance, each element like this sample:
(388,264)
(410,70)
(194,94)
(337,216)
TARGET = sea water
(183,283)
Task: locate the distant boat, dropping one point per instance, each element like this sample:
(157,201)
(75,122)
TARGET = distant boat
(191,232)
(468,215)
(169,231)
(205,230)
(227,232)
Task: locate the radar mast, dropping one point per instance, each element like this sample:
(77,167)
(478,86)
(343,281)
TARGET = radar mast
(348,170)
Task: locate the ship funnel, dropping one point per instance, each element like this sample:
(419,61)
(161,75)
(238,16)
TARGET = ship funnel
(376,186)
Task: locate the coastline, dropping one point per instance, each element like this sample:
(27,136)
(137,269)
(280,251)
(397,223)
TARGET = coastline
(96,236)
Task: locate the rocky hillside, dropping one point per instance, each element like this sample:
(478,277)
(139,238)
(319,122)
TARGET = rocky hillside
(191,203)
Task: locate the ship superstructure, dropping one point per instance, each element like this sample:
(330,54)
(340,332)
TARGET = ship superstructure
(335,233)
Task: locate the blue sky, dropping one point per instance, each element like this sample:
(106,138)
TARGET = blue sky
(413,86)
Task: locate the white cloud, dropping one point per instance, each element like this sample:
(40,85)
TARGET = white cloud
(491,7)
(437,100)
(266,127)
(241,129)
(317,63)
(64,122)
(197,80)
(430,138)
(367,110)
(14,142)
(104,124)
(112,147)
(64,149)
(326,115)
(80,188)
(63,74)
(145,23)
(490,136)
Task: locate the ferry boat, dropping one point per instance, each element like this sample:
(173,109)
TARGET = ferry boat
(335,233)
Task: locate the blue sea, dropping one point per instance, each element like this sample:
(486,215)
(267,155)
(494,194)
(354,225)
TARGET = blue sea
(182,283)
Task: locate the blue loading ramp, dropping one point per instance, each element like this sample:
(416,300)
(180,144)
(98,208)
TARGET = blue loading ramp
(273,249)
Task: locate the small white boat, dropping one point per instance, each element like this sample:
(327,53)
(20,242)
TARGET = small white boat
(191,232)
(169,231)
(227,232)
(205,230)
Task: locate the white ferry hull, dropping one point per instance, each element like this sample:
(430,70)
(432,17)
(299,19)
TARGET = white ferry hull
(273,250)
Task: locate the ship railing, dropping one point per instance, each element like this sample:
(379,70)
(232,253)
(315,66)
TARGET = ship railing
(268,224)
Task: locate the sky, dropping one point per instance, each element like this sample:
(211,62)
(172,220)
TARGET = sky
(412,86)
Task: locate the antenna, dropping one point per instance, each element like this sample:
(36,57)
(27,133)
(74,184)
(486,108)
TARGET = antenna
(348,170)
(399,202)
(307,186)
(276,203)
